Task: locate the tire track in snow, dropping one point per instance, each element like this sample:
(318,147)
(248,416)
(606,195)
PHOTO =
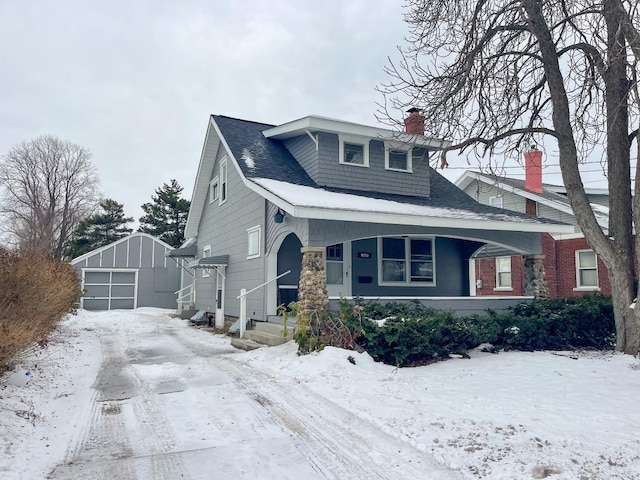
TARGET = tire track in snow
(337,443)
(122,407)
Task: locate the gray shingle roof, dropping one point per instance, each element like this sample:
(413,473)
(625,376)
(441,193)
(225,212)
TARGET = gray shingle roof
(260,157)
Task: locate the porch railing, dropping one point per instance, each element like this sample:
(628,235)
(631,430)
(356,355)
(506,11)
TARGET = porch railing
(186,295)
(243,301)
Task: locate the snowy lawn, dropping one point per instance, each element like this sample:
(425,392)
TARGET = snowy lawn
(506,416)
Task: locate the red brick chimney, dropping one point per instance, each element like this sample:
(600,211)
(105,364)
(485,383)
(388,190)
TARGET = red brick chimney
(533,170)
(414,123)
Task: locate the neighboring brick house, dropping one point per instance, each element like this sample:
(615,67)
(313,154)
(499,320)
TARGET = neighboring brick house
(571,266)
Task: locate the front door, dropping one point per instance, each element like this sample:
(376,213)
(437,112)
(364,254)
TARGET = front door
(338,269)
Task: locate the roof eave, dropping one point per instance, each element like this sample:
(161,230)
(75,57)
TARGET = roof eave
(324,124)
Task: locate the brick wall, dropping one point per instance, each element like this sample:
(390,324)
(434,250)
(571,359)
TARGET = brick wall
(559,265)
(486,271)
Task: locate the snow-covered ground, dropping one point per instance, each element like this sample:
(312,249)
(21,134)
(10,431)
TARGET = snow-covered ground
(142,395)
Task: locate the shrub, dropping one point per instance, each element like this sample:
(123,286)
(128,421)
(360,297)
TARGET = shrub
(405,334)
(35,293)
(558,324)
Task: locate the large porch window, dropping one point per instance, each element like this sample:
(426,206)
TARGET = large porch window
(408,261)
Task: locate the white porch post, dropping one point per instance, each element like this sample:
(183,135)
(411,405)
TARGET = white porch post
(243,311)
(472,278)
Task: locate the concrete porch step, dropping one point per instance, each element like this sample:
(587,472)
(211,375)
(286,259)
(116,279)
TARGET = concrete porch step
(245,344)
(274,328)
(265,338)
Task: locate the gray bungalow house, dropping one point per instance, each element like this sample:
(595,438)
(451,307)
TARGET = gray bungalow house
(346,209)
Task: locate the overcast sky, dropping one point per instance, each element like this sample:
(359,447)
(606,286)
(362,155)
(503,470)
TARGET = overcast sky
(135,81)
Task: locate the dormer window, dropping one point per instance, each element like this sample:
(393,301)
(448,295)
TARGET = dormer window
(354,151)
(397,157)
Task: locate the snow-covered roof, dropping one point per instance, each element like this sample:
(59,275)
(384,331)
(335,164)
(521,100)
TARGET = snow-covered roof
(319,203)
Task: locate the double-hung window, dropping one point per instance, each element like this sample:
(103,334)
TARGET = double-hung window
(206,252)
(223,181)
(214,190)
(354,150)
(586,269)
(408,261)
(503,273)
(397,157)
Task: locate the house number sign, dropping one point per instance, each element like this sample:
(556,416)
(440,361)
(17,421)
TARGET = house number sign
(364,254)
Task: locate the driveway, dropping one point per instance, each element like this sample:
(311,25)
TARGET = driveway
(172,402)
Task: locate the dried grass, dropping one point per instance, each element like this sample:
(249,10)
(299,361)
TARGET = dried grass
(35,293)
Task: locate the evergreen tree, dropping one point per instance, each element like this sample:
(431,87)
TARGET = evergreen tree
(166,216)
(100,229)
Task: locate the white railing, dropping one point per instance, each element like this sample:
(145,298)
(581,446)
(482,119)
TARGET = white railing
(243,301)
(186,295)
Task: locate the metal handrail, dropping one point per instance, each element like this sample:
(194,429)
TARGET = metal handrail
(247,292)
(243,301)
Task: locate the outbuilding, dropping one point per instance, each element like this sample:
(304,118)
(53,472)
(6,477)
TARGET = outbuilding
(129,273)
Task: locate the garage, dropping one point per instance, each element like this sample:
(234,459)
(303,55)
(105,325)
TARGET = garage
(107,290)
(134,271)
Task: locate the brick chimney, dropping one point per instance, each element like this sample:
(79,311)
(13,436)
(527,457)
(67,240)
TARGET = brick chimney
(533,170)
(414,123)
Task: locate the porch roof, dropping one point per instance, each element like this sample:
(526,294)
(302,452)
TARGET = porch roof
(210,262)
(190,251)
(332,204)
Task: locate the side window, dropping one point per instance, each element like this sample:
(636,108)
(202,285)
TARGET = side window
(214,190)
(206,252)
(496,201)
(223,181)
(586,269)
(253,242)
(503,272)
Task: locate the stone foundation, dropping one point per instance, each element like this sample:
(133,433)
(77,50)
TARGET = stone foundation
(312,289)
(535,283)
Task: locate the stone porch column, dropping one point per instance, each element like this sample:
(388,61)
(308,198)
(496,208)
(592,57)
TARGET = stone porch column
(535,283)
(312,290)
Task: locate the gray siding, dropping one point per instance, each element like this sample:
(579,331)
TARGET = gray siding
(328,171)
(551,213)
(224,228)
(482,193)
(304,151)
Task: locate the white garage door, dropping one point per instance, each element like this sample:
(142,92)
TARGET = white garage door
(109,289)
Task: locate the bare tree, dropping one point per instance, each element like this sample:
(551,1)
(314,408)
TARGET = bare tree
(501,75)
(47,187)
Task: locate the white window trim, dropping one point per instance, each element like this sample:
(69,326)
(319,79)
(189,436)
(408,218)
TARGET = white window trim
(491,201)
(224,184)
(206,272)
(408,152)
(407,259)
(498,287)
(250,231)
(215,181)
(364,141)
(588,288)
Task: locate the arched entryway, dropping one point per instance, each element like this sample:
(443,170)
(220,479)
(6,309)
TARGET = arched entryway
(289,258)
